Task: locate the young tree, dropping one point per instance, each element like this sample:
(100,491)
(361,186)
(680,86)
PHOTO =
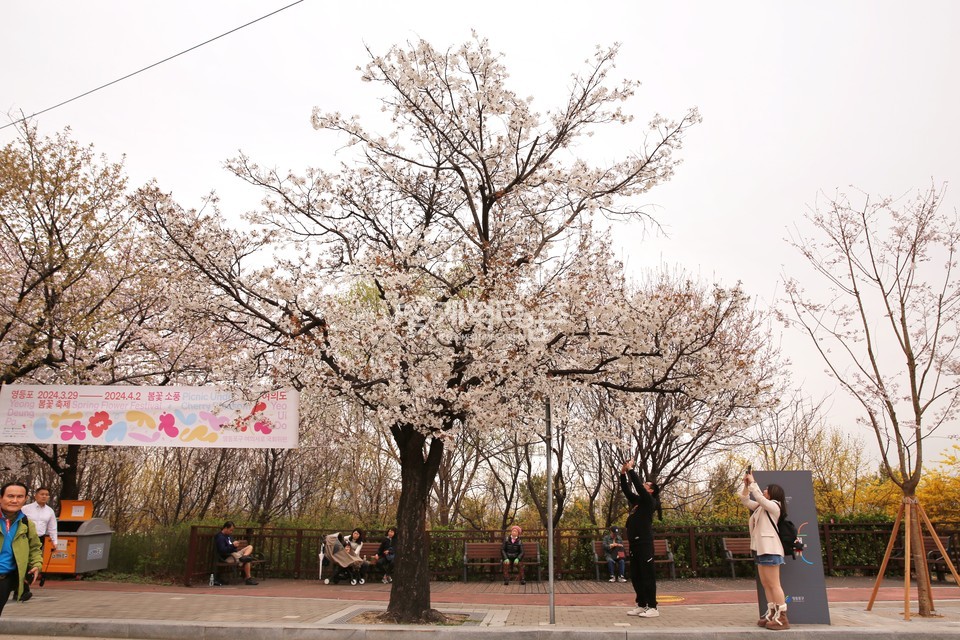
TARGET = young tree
(888,329)
(450,278)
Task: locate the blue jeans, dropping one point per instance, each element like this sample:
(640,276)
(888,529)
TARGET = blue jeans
(613,563)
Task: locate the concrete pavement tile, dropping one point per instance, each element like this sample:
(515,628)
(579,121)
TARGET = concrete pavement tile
(304,612)
(326,633)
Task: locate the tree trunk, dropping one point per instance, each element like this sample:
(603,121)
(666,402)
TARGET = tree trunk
(69,475)
(410,594)
(68,471)
(919,560)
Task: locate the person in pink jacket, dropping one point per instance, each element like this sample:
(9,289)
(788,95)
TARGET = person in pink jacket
(766,508)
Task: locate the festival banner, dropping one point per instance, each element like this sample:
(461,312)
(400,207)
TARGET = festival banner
(203,417)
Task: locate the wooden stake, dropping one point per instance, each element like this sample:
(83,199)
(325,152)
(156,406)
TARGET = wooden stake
(906,559)
(906,507)
(886,557)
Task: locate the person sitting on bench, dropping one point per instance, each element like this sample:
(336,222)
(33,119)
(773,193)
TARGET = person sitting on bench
(230,550)
(384,555)
(512,554)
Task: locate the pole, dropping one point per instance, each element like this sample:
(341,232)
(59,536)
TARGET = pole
(549,439)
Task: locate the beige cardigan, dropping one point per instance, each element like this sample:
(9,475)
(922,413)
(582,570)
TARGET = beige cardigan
(763,535)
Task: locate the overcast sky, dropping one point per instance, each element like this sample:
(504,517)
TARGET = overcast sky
(797,98)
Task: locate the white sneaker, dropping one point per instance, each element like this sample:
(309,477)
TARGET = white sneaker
(639,611)
(385,581)
(612,579)
(621,579)
(650,613)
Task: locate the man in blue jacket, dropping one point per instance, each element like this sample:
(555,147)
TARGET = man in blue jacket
(20,554)
(230,550)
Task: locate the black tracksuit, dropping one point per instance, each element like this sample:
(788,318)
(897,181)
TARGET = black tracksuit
(640,533)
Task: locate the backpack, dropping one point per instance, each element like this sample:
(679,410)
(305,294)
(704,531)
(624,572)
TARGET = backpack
(789,538)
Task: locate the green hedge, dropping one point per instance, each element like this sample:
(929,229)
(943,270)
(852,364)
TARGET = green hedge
(856,545)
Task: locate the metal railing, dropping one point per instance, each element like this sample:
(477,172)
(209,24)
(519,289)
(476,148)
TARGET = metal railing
(698,550)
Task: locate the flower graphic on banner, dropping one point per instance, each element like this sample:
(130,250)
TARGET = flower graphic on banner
(216,422)
(117,432)
(147,416)
(168,425)
(141,419)
(42,429)
(74,430)
(200,433)
(98,423)
(185,418)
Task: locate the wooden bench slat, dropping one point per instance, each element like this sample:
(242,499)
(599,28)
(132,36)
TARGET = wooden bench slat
(935,559)
(737,550)
(487,554)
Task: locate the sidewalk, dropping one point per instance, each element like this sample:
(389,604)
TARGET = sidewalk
(298,610)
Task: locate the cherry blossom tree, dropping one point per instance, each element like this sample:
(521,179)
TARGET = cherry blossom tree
(888,325)
(715,336)
(448,278)
(82,299)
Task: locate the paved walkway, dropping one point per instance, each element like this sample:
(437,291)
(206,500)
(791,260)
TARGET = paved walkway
(295,610)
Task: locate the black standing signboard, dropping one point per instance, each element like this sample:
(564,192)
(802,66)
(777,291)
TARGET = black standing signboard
(801,577)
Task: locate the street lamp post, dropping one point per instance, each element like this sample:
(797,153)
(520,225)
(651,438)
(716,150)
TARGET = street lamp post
(549,441)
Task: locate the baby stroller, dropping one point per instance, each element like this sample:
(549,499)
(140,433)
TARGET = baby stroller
(343,564)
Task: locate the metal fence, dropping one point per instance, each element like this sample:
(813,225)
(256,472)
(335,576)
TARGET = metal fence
(848,548)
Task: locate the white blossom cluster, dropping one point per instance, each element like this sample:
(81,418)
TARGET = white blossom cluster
(449,277)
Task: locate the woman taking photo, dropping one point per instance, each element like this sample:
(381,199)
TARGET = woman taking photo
(767,507)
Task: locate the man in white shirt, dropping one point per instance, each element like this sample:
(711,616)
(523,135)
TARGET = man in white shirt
(45,521)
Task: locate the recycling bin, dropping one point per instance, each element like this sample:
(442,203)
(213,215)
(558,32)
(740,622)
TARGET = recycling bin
(83,542)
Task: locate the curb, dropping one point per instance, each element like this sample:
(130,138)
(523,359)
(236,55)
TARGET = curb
(165,630)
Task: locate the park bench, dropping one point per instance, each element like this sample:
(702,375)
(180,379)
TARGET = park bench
(662,555)
(487,555)
(224,571)
(935,560)
(737,550)
(375,573)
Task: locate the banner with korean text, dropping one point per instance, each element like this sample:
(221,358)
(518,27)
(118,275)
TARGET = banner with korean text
(147,417)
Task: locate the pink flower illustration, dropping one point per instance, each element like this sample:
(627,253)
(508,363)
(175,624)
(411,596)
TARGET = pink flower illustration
(168,425)
(98,423)
(76,430)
